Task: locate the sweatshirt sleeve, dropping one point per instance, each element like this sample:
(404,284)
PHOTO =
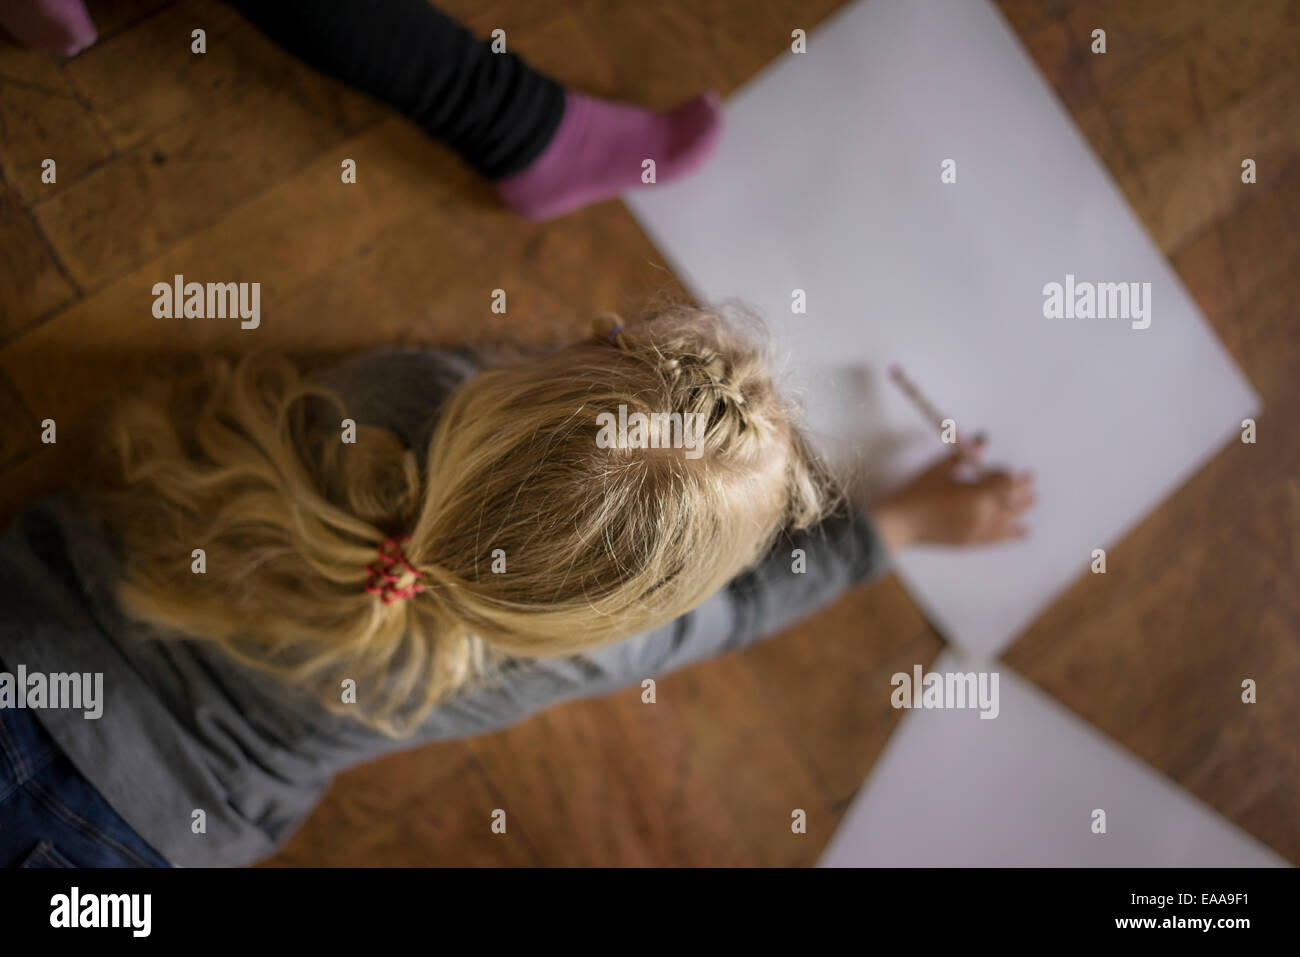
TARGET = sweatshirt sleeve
(839,553)
(842,551)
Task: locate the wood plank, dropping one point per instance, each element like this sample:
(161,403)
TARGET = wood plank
(704,776)
(1063,62)
(33,280)
(1140,34)
(147,79)
(662,54)
(19,428)
(287,239)
(265,116)
(431,807)
(44,116)
(1170,66)
(34,469)
(114,16)
(1028,16)
(1181,190)
(827,680)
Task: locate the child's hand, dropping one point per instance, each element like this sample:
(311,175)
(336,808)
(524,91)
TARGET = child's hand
(945,505)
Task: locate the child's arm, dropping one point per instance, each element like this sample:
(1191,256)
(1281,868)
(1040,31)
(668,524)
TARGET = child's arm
(843,551)
(839,553)
(957,501)
(849,548)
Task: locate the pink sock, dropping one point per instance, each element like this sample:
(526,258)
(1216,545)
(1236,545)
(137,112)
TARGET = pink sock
(62,27)
(599,146)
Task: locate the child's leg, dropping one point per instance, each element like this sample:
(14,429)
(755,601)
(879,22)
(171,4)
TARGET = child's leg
(549,151)
(55,26)
(599,150)
(489,107)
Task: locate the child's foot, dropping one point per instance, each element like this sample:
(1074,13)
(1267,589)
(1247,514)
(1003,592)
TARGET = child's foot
(598,150)
(62,27)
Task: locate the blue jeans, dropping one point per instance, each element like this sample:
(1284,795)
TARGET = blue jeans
(50,816)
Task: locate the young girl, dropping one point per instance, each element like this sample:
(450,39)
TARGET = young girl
(280,576)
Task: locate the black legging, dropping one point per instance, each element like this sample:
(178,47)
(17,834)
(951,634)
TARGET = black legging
(490,107)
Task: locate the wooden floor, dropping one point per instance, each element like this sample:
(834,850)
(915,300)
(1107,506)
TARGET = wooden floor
(227,166)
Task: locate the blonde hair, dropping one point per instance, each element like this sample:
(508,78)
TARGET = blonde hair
(599,543)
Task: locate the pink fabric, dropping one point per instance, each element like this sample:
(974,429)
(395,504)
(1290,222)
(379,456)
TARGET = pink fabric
(62,27)
(598,150)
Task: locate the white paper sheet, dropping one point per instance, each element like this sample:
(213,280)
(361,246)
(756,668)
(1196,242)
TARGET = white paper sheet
(955,790)
(828,180)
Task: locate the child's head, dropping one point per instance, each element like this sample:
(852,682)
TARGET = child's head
(530,534)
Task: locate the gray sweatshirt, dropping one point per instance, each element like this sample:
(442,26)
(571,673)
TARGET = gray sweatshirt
(183,728)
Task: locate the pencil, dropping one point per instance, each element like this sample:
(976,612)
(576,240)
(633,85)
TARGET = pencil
(924,405)
(913,392)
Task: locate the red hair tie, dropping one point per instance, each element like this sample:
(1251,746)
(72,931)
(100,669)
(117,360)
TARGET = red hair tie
(382,580)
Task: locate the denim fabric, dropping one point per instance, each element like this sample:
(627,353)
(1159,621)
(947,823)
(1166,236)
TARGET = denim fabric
(50,816)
